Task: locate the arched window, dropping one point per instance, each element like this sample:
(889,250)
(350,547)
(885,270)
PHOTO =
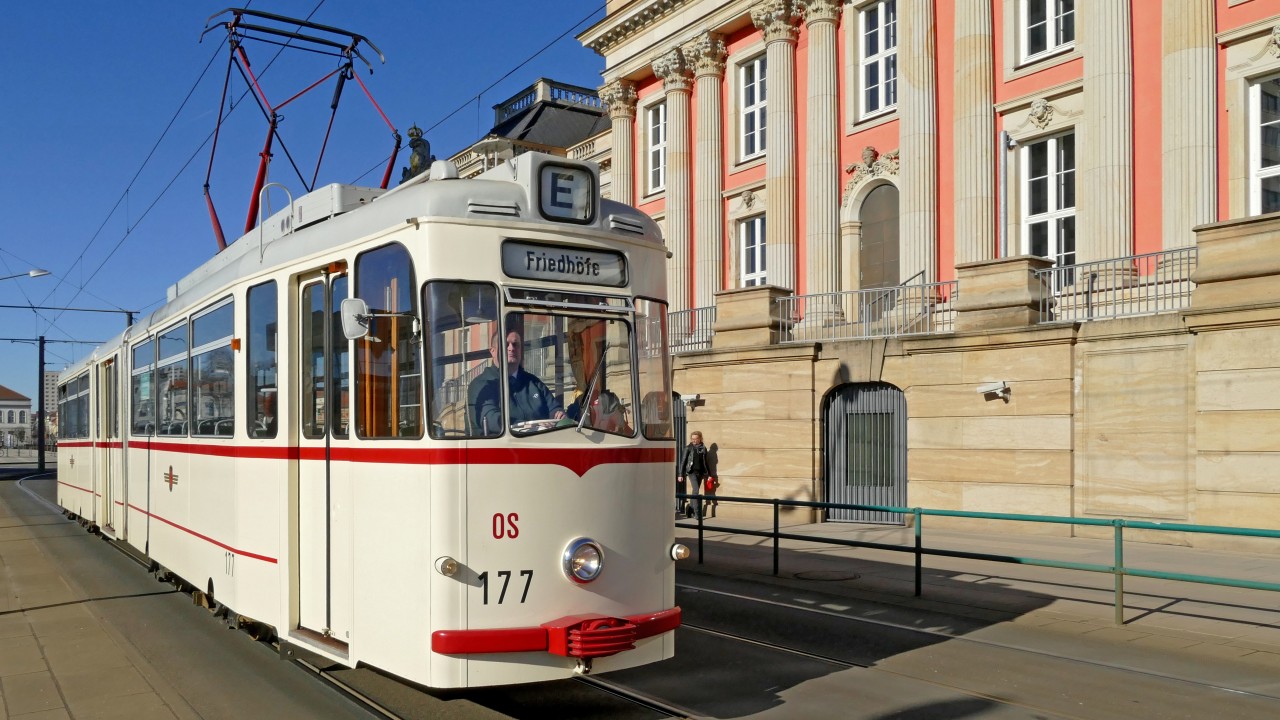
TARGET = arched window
(22,417)
(12,417)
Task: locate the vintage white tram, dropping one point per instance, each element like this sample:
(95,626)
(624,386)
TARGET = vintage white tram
(298,433)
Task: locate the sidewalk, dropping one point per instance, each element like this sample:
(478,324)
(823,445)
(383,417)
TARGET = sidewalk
(1199,622)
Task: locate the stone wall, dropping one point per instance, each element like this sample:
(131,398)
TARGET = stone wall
(1165,418)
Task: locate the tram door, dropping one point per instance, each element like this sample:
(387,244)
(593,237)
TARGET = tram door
(109,451)
(324,492)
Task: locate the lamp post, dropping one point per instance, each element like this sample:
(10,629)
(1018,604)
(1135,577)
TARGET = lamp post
(30,273)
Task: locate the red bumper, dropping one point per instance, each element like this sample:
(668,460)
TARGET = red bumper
(584,636)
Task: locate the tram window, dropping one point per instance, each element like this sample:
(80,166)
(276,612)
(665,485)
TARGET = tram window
(261,351)
(654,369)
(388,369)
(142,390)
(213,372)
(314,370)
(461,317)
(584,363)
(82,407)
(171,382)
(64,429)
(340,361)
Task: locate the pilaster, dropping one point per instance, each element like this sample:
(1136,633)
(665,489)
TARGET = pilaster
(677,82)
(1106,174)
(706,54)
(974,127)
(822,153)
(620,97)
(1189,99)
(918,130)
(777,18)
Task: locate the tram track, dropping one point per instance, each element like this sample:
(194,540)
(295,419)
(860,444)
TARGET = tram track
(1040,655)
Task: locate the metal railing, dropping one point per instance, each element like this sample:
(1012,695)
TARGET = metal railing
(1121,287)
(1118,569)
(920,309)
(690,330)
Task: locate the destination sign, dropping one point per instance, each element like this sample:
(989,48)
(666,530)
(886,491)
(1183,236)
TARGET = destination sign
(567,193)
(556,263)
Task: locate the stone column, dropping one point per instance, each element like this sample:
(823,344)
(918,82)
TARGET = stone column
(1188,138)
(822,159)
(1105,181)
(918,131)
(620,96)
(777,18)
(974,125)
(706,53)
(677,83)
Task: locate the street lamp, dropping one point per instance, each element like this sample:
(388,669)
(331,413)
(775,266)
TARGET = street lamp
(30,273)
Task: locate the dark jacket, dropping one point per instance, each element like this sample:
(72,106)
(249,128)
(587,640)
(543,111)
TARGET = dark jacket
(530,400)
(694,461)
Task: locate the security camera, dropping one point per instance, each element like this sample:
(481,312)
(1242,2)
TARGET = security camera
(994,388)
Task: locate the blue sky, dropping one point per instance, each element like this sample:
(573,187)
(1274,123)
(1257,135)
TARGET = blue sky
(92,86)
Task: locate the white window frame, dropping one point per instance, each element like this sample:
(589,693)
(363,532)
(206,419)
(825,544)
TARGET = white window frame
(1257,173)
(884,62)
(757,109)
(1055,25)
(656,138)
(1056,177)
(752,229)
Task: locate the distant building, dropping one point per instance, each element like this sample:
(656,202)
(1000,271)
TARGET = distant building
(15,415)
(547,116)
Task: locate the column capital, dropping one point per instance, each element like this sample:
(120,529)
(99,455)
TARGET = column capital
(706,53)
(674,71)
(816,11)
(620,97)
(777,18)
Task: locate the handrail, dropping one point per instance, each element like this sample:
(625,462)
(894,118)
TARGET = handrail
(897,287)
(1117,569)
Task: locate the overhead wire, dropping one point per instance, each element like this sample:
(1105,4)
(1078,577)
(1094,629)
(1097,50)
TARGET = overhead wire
(491,86)
(185,165)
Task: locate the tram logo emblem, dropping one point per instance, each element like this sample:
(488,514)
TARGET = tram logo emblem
(73,462)
(171,478)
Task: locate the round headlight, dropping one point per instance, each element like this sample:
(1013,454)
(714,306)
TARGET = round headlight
(583,560)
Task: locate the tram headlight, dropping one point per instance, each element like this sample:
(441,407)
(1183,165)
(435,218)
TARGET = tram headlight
(583,560)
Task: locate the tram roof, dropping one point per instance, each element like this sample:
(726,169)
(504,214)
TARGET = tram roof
(336,214)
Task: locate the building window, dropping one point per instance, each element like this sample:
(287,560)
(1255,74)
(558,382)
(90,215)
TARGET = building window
(751,252)
(22,416)
(1264,146)
(1049,199)
(878,65)
(754,96)
(657,124)
(1048,27)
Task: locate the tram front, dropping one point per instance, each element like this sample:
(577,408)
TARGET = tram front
(548,376)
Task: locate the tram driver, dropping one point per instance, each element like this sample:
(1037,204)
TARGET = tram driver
(530,398)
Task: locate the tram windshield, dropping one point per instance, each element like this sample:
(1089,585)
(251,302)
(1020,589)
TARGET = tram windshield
(534,371)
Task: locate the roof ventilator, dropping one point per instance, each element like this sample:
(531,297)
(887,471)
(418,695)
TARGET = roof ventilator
(625,224)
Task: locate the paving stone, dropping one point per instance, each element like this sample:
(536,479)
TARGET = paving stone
(82,688)
(1116,634)
(57,714)
(146,706)
(20,656)
(1165,642)
(30,693)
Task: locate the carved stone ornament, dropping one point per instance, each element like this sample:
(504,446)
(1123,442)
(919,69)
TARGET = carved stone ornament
(821,10)
(1041,113)
(674,71)
(620,97)
(777,18)
(873,165)
(706,53)
(748,199)
(1273,42)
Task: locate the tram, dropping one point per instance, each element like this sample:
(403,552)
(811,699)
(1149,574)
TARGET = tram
(426,429)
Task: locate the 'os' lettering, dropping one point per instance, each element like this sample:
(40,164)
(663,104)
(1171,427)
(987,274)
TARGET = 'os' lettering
(505,527)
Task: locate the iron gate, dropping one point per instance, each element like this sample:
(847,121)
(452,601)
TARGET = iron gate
(865,463)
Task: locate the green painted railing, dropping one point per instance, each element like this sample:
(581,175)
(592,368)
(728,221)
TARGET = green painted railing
(1118,570)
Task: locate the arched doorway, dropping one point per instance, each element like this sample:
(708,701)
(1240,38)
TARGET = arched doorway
(878,255)
(865,461)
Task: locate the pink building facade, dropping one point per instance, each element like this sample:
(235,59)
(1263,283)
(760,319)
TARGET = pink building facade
(822,146)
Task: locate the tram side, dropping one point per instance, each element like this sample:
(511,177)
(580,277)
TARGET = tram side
(327,486)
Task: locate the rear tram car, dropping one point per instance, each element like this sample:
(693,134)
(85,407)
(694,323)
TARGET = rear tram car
(427,429)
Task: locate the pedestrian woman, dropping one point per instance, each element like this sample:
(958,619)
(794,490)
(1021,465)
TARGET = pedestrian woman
(694,468)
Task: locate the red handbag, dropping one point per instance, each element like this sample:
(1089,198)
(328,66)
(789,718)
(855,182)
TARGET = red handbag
(711,484)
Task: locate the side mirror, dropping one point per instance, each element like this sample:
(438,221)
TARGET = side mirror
(355,318)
